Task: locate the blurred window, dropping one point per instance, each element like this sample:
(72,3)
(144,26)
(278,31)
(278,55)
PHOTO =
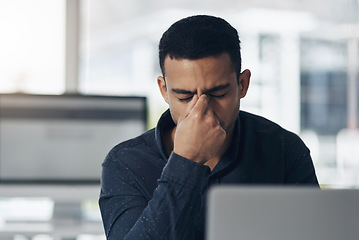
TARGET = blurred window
(324,86)
(32,46)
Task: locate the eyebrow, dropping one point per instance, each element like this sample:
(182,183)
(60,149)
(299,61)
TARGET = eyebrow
(206,91)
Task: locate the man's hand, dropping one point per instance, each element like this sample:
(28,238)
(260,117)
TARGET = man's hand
(199,135)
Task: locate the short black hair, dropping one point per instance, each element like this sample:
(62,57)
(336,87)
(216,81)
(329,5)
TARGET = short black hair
(200,36)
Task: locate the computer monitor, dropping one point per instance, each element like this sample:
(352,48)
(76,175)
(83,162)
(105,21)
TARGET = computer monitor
(63,138)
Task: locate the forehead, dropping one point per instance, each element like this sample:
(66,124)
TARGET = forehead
(205,72)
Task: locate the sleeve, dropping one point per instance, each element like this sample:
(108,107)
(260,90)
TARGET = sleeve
(127,214)
(299,165)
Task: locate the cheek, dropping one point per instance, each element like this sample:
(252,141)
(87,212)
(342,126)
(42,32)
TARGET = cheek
(226,109)
(176,108)
(225,106)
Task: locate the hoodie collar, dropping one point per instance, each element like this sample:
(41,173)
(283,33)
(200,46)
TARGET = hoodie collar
(165,123)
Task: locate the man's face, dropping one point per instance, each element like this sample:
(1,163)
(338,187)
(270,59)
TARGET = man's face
(213,76)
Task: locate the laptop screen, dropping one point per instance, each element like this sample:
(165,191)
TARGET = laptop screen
(273,213)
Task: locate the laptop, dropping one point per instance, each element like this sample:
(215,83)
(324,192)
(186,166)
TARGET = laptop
(282,213)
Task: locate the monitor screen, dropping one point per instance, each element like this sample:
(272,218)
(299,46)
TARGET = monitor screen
(63,138)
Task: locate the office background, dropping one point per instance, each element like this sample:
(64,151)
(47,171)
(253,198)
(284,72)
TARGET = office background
(303,55)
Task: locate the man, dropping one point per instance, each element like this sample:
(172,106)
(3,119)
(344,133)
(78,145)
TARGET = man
(154,186)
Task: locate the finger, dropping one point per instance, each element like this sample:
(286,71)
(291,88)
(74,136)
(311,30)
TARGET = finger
(209,111)
(211,116)
(189,107)
(201,105)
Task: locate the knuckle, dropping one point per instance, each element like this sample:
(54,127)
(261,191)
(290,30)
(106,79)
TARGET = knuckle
(208,121)
(196,116)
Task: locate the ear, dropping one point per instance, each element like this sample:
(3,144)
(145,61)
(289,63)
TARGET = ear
(244,79)
(163,88)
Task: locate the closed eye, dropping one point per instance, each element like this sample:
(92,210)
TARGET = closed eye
(217,96)
(185,99)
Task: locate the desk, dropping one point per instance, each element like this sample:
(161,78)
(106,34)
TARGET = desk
(57,231)
(75,217)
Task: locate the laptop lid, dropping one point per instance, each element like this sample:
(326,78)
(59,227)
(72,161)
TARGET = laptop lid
(272,213)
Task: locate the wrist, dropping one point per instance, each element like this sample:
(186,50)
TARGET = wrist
(190,156)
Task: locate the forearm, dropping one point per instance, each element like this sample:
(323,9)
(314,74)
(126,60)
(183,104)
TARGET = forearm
(170,213)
